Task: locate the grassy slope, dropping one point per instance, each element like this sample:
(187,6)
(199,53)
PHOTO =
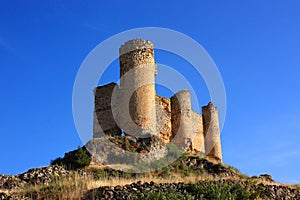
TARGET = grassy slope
(82,181)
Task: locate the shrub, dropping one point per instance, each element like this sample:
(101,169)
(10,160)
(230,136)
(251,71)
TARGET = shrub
(126,175)
(99,173)
(222,190)
(173,151)
(76,159)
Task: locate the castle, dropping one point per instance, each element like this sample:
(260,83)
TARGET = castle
(134,108)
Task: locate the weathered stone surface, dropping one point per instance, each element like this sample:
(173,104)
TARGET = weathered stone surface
(163,117)
(104,120)
(137,71)
(198,135)
(110,150)
(181,117)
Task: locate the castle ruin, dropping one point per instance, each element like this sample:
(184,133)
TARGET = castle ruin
(134,108)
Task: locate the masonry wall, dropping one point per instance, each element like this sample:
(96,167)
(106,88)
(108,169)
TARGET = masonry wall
(137,71)
(198,135)
(212,132)
(163,118)
(104,122)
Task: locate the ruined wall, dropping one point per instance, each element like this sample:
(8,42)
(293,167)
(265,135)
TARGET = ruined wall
(198,136)
(181,119)
(137,71)
(212,132)
(163,118)
(103,116)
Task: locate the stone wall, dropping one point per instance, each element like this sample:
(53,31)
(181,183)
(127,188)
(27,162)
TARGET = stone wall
(103,116)
(198,136)
(163,117)
(212,132)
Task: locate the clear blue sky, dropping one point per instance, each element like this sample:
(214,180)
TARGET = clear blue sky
(255,44)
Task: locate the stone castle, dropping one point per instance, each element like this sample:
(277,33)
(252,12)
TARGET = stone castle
(133,108)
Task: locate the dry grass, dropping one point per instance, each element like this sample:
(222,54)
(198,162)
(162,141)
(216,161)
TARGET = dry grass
(76,186)
(175,178)
(293,186)
(115,166)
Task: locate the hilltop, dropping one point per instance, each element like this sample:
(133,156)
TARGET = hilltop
(189,177)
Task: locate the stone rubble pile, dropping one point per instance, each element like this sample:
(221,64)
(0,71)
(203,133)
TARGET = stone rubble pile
(35,176)
(140,190)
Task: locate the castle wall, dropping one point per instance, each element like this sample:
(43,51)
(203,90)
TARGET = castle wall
(163,118)
(181,119)
(137,71)
(198,135)
(103,116)
(212,132)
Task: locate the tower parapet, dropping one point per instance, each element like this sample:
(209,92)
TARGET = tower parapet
(135,44)
(212,132)
(136,53)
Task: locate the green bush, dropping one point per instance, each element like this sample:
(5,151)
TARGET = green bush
(126,175)
(173,151)
(116,174)
(183,168)
(76,159)
(165,196)
(222,191)
(99,173)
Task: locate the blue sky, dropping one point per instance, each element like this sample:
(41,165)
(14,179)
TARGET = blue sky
(255,45)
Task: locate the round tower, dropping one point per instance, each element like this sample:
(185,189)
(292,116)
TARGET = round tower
(181,119)
(212,132)
(137,71)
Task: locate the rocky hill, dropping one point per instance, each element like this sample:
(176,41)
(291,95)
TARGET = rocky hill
(190,177)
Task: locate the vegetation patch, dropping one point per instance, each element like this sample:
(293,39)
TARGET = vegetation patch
(76,159)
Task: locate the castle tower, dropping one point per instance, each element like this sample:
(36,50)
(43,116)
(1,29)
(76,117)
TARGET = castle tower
(137,71)
(212,132)
(181,119)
